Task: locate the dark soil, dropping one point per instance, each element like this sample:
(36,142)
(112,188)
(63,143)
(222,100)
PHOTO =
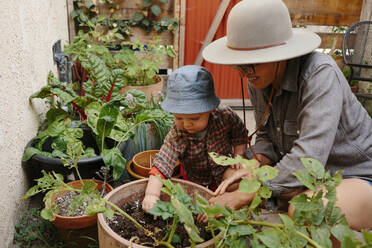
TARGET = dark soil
(126,229)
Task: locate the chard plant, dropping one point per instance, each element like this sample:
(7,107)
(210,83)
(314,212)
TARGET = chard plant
(116,119)
(313,223)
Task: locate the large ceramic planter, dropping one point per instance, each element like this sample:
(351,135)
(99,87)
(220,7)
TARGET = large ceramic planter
(152,90)
(77,222)
(135,191)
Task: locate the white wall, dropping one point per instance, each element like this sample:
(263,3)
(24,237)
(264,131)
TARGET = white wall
(28,29)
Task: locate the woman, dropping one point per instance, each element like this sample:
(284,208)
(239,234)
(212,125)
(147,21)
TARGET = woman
(303,107)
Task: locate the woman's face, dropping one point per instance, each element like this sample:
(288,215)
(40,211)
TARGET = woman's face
(259,75)
(192,123)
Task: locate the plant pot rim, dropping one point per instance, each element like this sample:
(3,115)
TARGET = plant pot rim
(137,176)
(155,151)
(76,222)
(103,224)
(58,162)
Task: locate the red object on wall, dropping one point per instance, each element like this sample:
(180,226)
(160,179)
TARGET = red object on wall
(199,16)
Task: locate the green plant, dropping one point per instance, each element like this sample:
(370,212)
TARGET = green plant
(33,231)
(149,17)
(347,71)
(180,209)
(110,117)
(313,222)
(135,62)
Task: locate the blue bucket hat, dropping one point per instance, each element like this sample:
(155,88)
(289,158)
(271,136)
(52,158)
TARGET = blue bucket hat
(190,90)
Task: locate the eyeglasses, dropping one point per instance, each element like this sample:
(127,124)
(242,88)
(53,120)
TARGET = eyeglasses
(246,69)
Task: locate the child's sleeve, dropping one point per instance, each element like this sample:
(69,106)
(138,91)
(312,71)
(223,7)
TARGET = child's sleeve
(167,158)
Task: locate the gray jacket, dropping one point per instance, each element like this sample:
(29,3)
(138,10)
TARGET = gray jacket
(313,115)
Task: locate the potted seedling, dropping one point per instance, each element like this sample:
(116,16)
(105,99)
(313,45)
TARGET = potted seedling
(313,223)
(175,216)
(92,201)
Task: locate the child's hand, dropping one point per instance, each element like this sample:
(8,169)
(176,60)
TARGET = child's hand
(149,202)
(152,193)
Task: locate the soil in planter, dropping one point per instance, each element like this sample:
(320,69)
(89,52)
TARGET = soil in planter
(126,229)
(63,204)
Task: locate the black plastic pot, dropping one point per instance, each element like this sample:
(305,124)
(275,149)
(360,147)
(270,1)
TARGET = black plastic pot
(88,167)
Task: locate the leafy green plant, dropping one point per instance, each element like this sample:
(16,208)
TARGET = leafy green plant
(33,231)
(114,119)
(51,184)
(180,209)
(313,222)
(149,17)
(135,62)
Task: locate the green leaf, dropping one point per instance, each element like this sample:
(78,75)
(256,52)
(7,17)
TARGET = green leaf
(265,192)
(47,214)
(186,217)
(341,231)
(255,202)
(89,186)
(321,235)
(266,173)
(249,186)
(270,237)
(162,209)
(29,152)
(306,179)
(367,237)
(114,158)
(146,3)
(156,10)
(314,167)
(241,230)
(107,118)
(164,1)
(109,213)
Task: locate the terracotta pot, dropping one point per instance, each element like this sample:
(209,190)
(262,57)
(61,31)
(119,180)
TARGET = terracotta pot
(136,176)
(134,191)
(149,90)
(77,222)
(142,162)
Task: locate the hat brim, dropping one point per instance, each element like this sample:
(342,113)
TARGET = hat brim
(190,106)
(302,42)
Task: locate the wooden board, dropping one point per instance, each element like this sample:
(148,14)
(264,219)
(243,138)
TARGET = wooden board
(324,12)
(126,9)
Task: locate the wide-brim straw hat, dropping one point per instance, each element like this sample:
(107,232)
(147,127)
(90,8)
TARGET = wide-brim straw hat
(190,90)
(260,31)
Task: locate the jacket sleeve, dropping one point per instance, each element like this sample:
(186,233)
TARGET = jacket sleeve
(321,101)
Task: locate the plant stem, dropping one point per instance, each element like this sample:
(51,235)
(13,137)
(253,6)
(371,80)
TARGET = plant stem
(130,129)
(126,215)
(173,229)
(277,225)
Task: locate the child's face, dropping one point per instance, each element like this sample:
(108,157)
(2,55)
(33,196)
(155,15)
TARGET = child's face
(192,123)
